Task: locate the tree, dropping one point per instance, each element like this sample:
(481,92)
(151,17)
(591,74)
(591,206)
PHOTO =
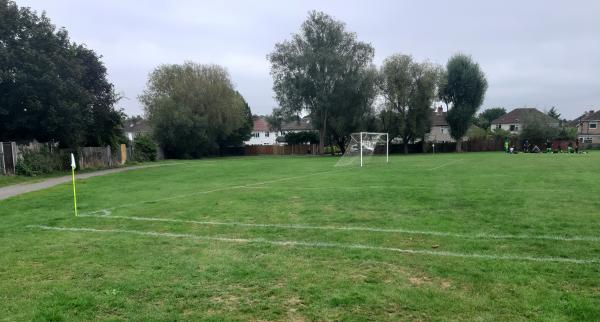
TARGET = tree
(353,111)
(537,129)
(409,89)
(50,88)
(463,86)
(312,70)
(194,110)
(553,113)
(485,118)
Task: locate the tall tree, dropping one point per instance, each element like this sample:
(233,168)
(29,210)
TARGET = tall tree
(485,118)
(553,113)
(409,89)
(52,89)
(353,111)
(194,110)
(313,68)
(463,87)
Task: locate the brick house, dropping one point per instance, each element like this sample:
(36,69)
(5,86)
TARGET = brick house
(588,127)
(513,120)
(262,134)
(440,130)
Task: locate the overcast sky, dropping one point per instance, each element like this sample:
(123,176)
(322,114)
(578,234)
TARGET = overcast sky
(534,53)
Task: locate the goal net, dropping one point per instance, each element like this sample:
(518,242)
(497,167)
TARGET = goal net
(364,148)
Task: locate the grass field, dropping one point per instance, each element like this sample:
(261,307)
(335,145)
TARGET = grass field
(473,236)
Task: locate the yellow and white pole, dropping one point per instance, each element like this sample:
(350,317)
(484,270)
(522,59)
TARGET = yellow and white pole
(73,166)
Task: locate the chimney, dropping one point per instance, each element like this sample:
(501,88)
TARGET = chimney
(440,110)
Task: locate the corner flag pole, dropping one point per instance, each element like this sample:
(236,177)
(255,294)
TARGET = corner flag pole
(73,166)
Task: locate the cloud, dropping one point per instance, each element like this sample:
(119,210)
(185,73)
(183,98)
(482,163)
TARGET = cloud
(534,53)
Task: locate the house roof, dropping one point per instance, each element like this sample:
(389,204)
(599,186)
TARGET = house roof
(438,118)
(591,116)
(260,124)
(136,125)
(519,114)
(302,124)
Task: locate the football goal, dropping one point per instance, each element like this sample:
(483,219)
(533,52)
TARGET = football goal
(365,147)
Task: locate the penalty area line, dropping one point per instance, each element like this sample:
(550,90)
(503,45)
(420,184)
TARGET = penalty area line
(293,243)
(106,214)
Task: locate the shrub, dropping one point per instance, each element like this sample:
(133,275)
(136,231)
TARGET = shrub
(144,148)
(302,137)
(33,163)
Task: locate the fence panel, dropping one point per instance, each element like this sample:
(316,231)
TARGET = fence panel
(293,149)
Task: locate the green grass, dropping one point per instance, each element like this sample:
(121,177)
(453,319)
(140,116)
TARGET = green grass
(447,207)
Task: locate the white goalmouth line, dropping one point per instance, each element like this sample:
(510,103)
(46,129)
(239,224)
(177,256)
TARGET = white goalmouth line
(293,243)
(107,215)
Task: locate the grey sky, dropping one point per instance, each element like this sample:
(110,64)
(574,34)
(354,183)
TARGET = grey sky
(534,53)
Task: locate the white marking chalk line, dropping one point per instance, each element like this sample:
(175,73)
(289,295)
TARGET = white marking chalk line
(346,228)
(445,164)
(294,243)
(251,185)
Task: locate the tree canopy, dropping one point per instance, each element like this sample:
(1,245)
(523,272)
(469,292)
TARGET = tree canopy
(409,89)
(463,86)
(194,110)
(318,68)
(52,89)
(485,118)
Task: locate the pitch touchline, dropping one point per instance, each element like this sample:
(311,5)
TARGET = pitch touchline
(250,185)
(294,243)
(346,228)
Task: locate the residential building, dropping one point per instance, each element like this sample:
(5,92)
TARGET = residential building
(440,130)
(136,126)
(513,120)
(588,127)
(262,134)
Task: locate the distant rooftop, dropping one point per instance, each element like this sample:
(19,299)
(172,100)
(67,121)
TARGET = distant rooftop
(518,115)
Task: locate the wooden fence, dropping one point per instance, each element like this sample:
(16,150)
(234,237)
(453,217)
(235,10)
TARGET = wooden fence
(294,149)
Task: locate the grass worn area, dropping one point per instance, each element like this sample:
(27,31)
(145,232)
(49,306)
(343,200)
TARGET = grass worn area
(480,236)
(18,179)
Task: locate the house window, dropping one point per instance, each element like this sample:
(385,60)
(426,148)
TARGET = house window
(256,134)
(593,125)
(498,126)
(267,134)
(514,127)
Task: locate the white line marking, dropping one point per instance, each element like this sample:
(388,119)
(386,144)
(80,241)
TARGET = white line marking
(445,164)
(294,243)
(250,185)
(346,228)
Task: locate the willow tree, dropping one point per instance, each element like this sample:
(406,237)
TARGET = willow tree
(462,87)
(194,110)
(409,90)
(312,70)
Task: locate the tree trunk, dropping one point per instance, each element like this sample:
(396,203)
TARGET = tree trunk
(405,147)
(322,133)
(322,141)
(459,145)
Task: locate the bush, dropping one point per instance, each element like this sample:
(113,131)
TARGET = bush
(144,148)
(33,163)
(302,137)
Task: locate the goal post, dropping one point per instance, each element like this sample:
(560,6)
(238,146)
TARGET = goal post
(365,147)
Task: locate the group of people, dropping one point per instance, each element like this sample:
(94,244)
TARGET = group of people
(573,147)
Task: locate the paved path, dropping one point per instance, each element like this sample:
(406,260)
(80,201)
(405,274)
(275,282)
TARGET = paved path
(10,191)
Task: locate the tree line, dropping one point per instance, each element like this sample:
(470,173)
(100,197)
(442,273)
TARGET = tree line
(53,89)
(327,73)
